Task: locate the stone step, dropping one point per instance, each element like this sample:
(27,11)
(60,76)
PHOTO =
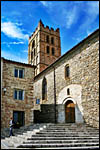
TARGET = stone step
(55,136)
(79,127)
(65,135)
(57,145)
(74,148)
(70,125)
(68,132)
(88,131)
(61,138)
(61,141)
(71,129)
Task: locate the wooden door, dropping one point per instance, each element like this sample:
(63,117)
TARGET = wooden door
(70,112)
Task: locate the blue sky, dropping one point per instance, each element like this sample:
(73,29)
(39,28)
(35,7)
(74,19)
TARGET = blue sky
(76,20)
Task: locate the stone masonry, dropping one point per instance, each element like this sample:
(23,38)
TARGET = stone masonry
(83,82)
(8,103)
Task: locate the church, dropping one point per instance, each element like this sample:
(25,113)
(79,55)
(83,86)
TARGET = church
(52,88)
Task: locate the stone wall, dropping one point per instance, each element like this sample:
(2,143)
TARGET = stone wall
(46,114)
(9,104)
(84,73)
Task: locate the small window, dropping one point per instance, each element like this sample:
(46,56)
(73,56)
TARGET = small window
(33,44)
(47,49)
(36,60)
(15,94)
(18,73)
(21,73)
(47,38)
(37,101)
(67,71)
(18,94)
(44,89)
(53,51)
(34,51)
(52,40)
(31,55)
(68,91)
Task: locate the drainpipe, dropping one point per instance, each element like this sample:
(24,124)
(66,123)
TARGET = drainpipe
(55,95)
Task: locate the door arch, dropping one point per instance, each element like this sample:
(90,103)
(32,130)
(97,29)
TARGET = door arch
(69,112)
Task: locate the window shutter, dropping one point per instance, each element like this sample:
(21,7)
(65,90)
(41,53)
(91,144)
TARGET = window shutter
(23,95)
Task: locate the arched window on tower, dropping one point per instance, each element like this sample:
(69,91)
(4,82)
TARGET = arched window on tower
(44,89)
(53,51)
(47,49)
(31,55)
(47,38)
(34,52)
(33,44)
(52,40)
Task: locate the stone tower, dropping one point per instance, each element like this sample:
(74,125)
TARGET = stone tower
(44,47)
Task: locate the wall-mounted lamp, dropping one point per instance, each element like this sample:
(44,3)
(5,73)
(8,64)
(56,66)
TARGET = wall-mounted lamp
(4,90)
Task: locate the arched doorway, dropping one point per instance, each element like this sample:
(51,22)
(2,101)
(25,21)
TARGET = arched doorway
(70,112)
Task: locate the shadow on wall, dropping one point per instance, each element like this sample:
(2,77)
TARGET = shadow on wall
(47,114)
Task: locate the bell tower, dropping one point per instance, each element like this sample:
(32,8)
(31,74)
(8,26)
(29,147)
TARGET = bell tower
(44,47)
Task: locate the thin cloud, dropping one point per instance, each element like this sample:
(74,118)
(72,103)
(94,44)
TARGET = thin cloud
(71,17)
(46,3)
(13,43)
(92,11)
(13,31)
(69,13)
(25,51)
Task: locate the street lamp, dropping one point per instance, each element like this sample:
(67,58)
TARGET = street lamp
(4,90)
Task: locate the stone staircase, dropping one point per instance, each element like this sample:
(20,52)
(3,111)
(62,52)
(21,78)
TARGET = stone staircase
(20,135)
(57,136)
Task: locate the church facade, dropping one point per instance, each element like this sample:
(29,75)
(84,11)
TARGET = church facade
(51,87)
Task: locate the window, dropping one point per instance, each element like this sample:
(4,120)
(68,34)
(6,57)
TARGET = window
(36,60)
(18,94)
(47,38)
(68,91)
(37,101)
(21,73)
(34,51)
(31,55)
(53,51)
(18,73)
(67,71)
(33,44)
(47,49)
(44,89)
(52,40)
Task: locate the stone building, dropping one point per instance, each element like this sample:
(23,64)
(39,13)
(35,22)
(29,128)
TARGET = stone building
(17,92)
(55,88)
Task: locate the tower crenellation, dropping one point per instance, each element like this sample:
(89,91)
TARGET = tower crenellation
(44,47)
